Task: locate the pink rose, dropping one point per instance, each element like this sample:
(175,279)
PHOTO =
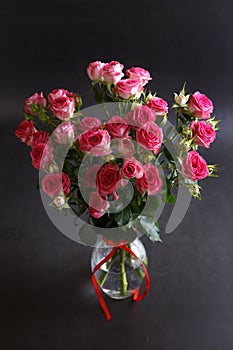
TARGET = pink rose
(126,147)
(127,88)
(89,123)
(64,133)
(194,166)
(112,72)
(203,133)
(131,168)
(95,71)
(150,181)
(158,105)
(35,99)
(97,205)
(89,179)
(150,137)
(117,127)
(42,155)
(200,106)
(95,142)
(52,184)
(107,179)
(138,73)
(25,132)
(40,137)
(140,116)
(62,103)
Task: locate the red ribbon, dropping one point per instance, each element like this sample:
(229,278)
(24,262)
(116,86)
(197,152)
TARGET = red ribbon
(136,296)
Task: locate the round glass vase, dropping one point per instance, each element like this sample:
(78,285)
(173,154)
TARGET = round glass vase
(123,274)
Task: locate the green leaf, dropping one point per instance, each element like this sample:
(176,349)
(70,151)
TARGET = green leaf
(170,198)
(152,230)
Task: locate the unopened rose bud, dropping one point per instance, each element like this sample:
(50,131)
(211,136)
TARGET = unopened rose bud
(194,190)
(180,100)
(110,158)
(53,168)
(184,146)
(59,201)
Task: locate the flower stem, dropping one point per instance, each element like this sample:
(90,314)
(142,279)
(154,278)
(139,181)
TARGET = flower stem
(124,283)
(104,274)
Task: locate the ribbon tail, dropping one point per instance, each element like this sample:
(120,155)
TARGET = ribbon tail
(96,286)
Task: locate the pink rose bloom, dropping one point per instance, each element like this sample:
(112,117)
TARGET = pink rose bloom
(117,127)
(40,137)
(64,133)
(97,205)
(158,105)
(150,181)
(95,142)
(203,133)
(150,137)
(35,99)
(95,71)
(194,166)
(131,168)
(62,103)
(127,88)
(52,184)
(89,123)
(25,132)
(200,106)
(112,72)
(89,179)
(107,180)
(138,73)
(126,147)
(140,116)
(42,155)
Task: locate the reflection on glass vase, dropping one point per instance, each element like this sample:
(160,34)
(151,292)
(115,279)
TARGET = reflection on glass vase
(122,275)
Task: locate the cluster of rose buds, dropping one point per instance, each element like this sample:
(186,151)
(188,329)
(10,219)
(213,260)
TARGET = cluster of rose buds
(61,115)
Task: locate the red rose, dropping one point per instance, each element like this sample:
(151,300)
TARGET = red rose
(194,166)
(203,133)
(35,99)
(97,205)
(52,184)
(142,184)
(62,103)
(200,106)
(158,105)
(95,142)
(25,132)
(128,88)
(140,116)
(42,155)
(151,181)
(131,168)
(40,137)
(95,71)
(139,73)
(112,72)
(64,133)
(107,179)
(89,123)
(117,127)
(126,147)
(150,137)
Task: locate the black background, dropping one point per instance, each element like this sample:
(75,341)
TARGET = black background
(46,297)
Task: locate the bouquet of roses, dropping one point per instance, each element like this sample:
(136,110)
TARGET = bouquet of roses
(115,165)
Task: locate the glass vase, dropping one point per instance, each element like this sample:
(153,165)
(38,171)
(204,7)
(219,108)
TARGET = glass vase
(122,275)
